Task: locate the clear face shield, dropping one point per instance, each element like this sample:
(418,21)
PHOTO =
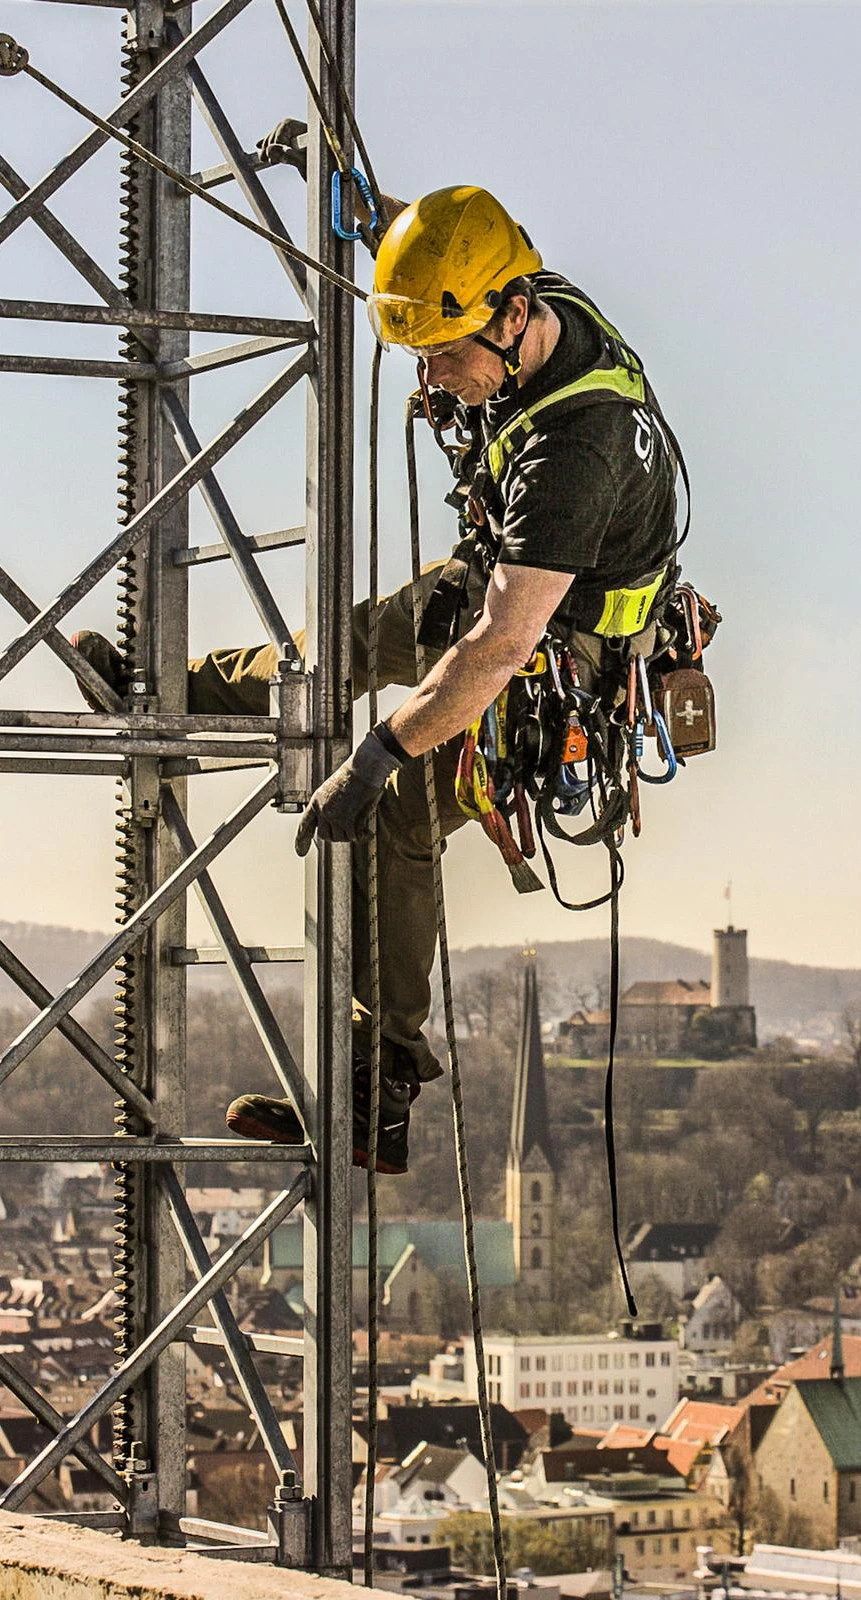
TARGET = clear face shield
(414,325)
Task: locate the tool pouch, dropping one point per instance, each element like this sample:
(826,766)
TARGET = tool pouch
(687,701)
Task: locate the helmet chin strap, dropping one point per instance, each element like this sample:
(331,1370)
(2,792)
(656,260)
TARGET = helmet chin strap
(510,357)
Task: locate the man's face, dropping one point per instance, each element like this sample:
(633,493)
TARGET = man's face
(464,368)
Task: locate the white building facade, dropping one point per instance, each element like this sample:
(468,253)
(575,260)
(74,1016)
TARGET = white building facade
(593,1380)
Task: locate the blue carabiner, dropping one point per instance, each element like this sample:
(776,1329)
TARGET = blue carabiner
(668,754)
(364,189)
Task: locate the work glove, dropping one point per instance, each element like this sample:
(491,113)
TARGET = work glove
(340,809)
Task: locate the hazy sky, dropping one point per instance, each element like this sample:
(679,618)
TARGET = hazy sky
(693,166)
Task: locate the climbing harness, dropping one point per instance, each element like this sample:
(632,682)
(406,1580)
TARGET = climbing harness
(548,737)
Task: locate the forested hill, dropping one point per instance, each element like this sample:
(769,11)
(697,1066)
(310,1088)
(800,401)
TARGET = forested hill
(807,1002)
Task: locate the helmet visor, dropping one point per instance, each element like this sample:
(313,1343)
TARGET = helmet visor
(420,325)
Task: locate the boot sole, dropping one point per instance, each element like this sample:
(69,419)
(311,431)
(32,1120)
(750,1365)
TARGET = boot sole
(247,1128)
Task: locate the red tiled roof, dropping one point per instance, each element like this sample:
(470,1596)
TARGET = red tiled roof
(815,1363)
(702,1421)
(674,992)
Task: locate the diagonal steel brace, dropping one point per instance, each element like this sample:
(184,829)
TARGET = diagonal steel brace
(83,1042)
(122,115)
(288,1072)
(153,511)
(158,1340)
(264,601)
(235,1344)
(131,931)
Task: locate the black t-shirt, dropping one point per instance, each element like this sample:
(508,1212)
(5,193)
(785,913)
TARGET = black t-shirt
(590,490)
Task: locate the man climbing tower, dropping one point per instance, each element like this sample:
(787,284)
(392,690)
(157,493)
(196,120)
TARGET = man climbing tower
(566,486)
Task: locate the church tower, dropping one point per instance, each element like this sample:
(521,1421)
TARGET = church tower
(530,1176)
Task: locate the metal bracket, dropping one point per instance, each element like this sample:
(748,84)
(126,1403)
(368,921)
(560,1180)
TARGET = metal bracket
(289,1522)
(142,1504)
(290,702)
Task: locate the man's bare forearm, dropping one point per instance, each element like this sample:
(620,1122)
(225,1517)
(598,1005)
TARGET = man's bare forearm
(455,692)
(518,605)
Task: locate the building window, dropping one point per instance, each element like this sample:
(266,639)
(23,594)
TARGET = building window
(573,1363)
(555,1363)
(524,1363)
(640,1546)
(825,1490)
(634,1360)
(618,1413)
(588,1386)
(657,1546)
(618,1358)
(668,1519)
(634,1413)
(604,1413)
(535,1259)
(556,1390)
(633,1386)
(650,1358)
(535,1193)
(650,1393)
(540,1363)
(603,1386)
(618,1386)
(540,1390)
(535,1222)
(602,1363)
(686,1518)
(650,1416)
(650,1518)
(792,1488)
(674,1546)
(588,1413)
(666,1358)
(573,1413)
(572,1389)
(525,1391)
(635,1519)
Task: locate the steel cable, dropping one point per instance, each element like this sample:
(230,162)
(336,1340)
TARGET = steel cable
(192,188)
(460,1141)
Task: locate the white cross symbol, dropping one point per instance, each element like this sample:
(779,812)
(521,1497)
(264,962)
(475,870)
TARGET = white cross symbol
(689,715)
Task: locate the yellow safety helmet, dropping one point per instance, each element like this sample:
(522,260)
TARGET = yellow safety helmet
(442,265)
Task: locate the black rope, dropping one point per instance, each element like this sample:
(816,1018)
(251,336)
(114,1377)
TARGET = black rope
(609,1129)
(376,1041)
(458,1113)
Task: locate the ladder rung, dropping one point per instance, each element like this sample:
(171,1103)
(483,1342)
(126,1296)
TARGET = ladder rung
(213,955)
(196,554)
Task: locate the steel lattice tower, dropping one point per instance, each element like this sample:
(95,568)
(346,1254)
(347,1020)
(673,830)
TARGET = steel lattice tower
(152,750)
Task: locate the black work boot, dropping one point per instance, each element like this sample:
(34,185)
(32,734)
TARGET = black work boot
(107,661)
(256,1116)
(396,1097)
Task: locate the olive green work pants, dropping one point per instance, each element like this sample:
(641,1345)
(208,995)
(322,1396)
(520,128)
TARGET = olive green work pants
(237,682)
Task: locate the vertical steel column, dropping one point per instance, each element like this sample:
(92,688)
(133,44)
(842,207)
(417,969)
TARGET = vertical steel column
(158,605)
(328,986)
(167,648)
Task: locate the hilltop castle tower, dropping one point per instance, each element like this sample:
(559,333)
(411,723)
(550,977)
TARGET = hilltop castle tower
(530,1174)
(730,986)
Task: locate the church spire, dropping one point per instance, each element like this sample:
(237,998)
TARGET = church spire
(530,1123)
(837,1367)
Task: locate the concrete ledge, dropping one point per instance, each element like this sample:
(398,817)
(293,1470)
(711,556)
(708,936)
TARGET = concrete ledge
(58,1561)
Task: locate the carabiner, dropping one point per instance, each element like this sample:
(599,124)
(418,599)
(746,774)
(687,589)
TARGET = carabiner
(366,193)
(668,754)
